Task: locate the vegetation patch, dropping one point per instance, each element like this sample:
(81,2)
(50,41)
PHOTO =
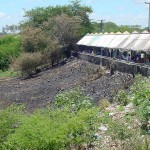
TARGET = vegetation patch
(6,74)
(9,48)
(69,123)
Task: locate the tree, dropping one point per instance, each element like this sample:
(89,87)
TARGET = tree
(110,27)
(83,13)
(11,29)
(33,39)
(129,28)
(36,17)
(63,28)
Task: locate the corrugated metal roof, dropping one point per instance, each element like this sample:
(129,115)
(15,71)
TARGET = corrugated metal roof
(116,41)
(85,39)
(103,41)
(142,43)
(124,41)
(90,42)
(130,41)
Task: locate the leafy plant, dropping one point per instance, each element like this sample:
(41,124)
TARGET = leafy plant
(9,47)
(141,98)
(122,97)
(59,127)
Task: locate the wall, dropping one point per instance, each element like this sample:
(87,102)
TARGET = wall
(122,66)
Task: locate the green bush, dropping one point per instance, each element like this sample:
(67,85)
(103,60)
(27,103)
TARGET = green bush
(4,74)
(75,100)
(117,130)
(122,97)
(51,128)
(9,47)
(141,98)
(9,120)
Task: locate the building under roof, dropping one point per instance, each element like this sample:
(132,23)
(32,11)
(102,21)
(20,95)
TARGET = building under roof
(123,41)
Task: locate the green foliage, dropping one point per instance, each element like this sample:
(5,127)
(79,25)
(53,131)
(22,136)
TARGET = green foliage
(9,120)
(36,17)
(122,97)
(118,130)
(75,100)
(9,47)
(141,97)
(130,29)
(55,127)
(112,27)
(4,74)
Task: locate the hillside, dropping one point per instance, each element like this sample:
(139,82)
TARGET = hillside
(40,90)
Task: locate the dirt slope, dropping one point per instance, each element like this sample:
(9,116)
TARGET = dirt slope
(38,91)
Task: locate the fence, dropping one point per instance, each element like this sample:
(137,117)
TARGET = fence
(122,66)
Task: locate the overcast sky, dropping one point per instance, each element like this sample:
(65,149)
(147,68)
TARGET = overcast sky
(125,12)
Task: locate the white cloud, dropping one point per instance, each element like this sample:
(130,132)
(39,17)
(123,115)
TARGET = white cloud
(2,15)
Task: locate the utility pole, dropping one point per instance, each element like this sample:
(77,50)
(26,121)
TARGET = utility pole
(101,24)
(149,16)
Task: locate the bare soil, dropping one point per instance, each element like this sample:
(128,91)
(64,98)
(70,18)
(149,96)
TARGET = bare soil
(36,92)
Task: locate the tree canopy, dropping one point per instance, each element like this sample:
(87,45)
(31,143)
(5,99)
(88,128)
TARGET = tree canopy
(112,27)
(37,16)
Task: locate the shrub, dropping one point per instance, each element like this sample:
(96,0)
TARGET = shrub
(55,128)
(74,99)
(141,98)
(27,63)
(104,103)
(122,97)
(52,54)
(33,39)
(9,47)
(118,130)
(9,120)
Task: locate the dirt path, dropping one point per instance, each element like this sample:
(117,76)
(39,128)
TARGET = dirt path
(37,92)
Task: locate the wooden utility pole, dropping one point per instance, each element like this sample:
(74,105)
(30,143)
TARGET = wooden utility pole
(101,24)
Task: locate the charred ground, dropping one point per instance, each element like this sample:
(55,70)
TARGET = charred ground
(36,92)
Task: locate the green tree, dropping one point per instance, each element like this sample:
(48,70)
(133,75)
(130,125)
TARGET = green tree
(110,27)
(37,16)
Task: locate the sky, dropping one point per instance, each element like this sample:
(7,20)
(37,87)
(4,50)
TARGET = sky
(121,12)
